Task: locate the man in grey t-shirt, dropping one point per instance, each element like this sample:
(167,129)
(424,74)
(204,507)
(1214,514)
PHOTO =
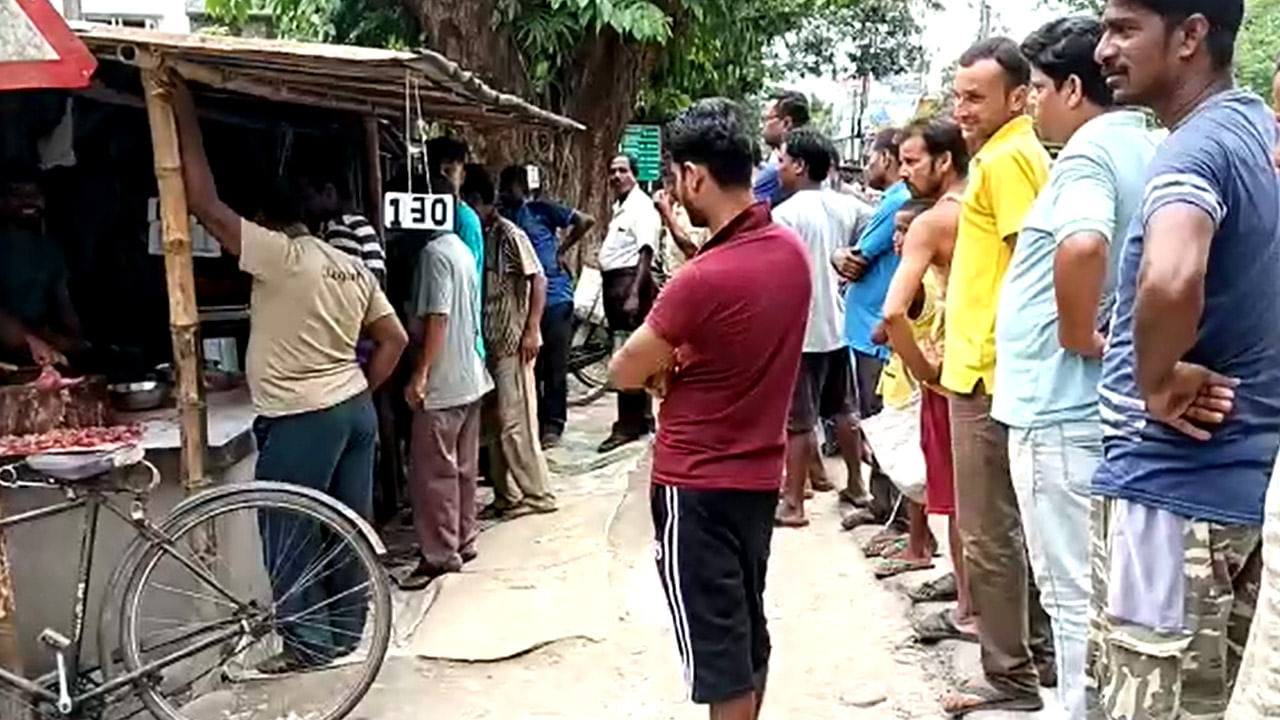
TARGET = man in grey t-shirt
(449,378)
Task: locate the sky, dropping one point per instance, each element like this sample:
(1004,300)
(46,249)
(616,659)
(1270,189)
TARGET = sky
(947,33)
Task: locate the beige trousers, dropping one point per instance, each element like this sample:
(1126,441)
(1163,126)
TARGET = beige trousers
(516,460)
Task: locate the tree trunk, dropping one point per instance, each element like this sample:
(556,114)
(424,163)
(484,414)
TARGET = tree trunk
(601,86)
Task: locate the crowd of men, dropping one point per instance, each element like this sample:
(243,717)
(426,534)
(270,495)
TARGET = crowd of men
(1089,348)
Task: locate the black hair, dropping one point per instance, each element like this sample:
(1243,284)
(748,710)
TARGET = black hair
(444,149)
(282,203)
(514,176)
(319,170)
(478,184)
(631,162)
(1064,47)
(1005,52)
(712,133)
(794,105)
(1225,18)
(941,135)
(814,149)
(887,141)
(915,206)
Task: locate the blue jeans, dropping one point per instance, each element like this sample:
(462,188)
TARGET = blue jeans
(1052,468)
(321,611)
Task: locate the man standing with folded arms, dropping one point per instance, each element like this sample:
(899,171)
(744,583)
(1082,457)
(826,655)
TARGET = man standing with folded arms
(1008,171)
(723,343)
(1051,326)
(1191,375)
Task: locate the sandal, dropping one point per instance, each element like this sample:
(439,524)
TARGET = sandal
(942,589)
(936,627)
(889,567)
(972,698)
(858,501)
(884,541)
(860,516)
(789,517)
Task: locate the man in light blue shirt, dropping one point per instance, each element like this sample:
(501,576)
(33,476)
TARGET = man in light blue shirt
(1052,322)
(788,110)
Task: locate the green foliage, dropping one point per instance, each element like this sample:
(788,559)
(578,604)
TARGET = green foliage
(733,48)
(377,23)
(1258,46)
(737,49)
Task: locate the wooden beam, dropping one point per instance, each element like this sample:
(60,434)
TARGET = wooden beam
(373,185)
(184,320)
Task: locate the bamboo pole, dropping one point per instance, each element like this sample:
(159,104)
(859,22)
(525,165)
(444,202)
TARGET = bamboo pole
(184,321)
(10,654)
(373,186)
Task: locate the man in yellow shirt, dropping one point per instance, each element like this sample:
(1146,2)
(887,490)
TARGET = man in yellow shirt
(1008,170)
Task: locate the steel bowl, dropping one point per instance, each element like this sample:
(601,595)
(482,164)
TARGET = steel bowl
(137,396)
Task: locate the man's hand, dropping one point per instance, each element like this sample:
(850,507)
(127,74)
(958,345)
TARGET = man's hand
(1193,394)
(415,393)
(849,264)
(631,305)
(880,335)
(43,353)
(662,201)
(530,344)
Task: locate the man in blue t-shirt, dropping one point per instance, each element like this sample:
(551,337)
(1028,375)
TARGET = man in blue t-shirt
(868,264)
(1190,391)
(542,221)
(788,110)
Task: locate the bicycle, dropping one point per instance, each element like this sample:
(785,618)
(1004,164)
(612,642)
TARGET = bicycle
(590,351)
(186,627)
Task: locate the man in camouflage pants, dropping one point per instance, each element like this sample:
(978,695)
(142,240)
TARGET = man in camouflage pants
(1190,392)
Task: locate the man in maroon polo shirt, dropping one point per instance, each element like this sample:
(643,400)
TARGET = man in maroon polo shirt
(722,345)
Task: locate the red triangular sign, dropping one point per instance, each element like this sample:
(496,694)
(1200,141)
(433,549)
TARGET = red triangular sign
(38,50)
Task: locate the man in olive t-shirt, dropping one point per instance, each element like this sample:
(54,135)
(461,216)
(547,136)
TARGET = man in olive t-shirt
(316,425)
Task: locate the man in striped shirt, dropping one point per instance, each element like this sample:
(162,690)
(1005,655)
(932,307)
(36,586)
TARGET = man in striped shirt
(331,217)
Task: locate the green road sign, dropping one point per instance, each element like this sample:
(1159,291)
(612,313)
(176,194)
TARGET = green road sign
(644,143)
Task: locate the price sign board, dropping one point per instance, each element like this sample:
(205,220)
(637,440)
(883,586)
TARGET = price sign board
(644,143)
(417,211)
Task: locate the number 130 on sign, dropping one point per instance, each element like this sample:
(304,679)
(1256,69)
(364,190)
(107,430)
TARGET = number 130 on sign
(417,211)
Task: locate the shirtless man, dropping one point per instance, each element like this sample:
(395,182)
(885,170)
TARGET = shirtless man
(934,162)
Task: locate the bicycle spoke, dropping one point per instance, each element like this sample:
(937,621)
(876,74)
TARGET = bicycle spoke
(309,574)
(196,595)
(329,601)
(192,630)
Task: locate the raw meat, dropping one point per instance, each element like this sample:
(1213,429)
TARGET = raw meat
(28,409)
(71,440)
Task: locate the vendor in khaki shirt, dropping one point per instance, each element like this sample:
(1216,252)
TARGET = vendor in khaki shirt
(1006,174)
(626,267)
(316,424)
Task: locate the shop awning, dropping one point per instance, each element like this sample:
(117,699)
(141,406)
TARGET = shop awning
(340,77)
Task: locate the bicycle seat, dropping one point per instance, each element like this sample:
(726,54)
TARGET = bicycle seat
(77,466)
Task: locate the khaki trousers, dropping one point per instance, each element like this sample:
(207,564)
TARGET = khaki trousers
(516,461)
(1013,627)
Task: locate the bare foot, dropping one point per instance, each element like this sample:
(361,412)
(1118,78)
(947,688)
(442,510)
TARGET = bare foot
(790,516)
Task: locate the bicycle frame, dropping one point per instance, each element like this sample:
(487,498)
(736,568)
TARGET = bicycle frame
(93,501)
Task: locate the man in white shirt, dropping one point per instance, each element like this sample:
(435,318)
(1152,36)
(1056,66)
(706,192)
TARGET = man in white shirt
(626,266)
(825,220)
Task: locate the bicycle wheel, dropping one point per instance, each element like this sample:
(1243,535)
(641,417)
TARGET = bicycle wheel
(589,358)
(292,584)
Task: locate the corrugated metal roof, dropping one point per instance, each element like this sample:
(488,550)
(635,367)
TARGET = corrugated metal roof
(359,79)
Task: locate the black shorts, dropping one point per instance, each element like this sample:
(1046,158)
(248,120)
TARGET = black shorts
(824,389)
(866,376)
(712,549)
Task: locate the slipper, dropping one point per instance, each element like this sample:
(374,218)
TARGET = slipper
(785,517)
(942,589)
(861,516)
(936,627)
(972,698)
(889,567)
(857,501)
(883,540)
